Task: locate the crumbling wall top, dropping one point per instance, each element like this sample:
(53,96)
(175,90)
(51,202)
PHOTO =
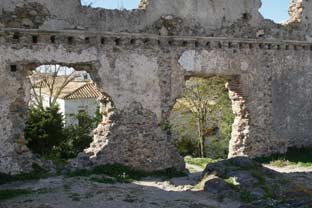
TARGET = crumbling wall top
(70,14)
(238,18)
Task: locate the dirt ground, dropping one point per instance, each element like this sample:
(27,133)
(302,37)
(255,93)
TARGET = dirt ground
(81,192)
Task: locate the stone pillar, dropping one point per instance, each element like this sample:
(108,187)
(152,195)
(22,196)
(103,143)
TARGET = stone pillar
(240,128)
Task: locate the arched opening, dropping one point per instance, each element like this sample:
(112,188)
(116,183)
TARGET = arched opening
(276,10)
(202,118)
(112,4)
(64,107)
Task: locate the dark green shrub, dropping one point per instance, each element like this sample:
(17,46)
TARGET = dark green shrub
(47,136)
(217,148)
(35,174)
(12,193)
(78,137)
(187,146)
(44,129)
(126,174)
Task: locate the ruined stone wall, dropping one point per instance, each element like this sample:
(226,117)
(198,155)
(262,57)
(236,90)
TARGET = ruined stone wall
(69,14)
(140,58)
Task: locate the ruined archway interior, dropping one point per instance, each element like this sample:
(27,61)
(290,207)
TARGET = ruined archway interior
(65,105)
(201,120)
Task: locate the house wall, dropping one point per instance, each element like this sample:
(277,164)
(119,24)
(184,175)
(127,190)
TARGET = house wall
(72,108)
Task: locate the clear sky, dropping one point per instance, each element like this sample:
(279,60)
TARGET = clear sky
(113,4)
(276,10)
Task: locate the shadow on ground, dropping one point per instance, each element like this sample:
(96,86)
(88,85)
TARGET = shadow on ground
(226,185)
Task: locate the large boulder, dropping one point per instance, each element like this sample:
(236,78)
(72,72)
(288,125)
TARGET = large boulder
(243,179)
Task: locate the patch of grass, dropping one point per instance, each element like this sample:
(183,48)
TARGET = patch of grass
(281,163)
(125,174)
(12,193)
(36,174)
(201,162)
(231,182)
(301,157)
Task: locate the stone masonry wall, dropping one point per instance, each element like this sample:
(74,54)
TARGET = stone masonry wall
(131,137)
(140,58)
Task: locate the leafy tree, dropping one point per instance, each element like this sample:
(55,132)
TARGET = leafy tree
(204,110)
(47,78)
(44,129)
(47,136)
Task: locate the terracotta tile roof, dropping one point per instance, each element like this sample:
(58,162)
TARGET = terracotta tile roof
(88,90)
(75,90)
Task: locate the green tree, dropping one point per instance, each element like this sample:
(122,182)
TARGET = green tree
(78,137)
(204,108)
(44,129)
(48,78)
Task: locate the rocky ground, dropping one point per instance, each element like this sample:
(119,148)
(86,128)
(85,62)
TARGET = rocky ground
(258,186)
(221,188)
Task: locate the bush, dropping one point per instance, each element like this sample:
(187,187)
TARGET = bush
(187,146)
(217,148)
(36,174)
(126,174)
(78,137)
(44,129)
(47,136)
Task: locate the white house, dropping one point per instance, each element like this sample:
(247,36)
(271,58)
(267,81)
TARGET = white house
(79,95)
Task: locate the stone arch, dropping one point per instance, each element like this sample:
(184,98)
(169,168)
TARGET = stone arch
(146,146)
(194,66)
(240,127)
(20,153)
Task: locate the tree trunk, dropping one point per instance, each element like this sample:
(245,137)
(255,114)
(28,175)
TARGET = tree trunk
(201,139)
(202,146)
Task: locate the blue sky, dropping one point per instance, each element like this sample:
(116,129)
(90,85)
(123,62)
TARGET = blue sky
(113,4)
(276,10)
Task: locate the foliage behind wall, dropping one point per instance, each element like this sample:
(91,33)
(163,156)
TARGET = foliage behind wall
(210,96)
